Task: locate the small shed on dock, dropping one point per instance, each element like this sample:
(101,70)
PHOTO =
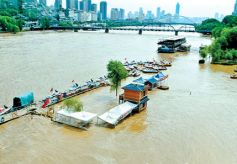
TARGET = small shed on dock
(136,93)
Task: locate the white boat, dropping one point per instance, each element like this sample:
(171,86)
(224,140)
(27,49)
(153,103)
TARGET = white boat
(75,119)
(118,113)
(146,70)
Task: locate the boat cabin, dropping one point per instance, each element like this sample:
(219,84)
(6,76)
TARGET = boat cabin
(140,81)
(170,45)
(173,42)
(23,100)
(151,83)
(136,93)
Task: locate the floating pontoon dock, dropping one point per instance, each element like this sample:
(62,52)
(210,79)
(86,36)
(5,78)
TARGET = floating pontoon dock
(118,113)
(77,119)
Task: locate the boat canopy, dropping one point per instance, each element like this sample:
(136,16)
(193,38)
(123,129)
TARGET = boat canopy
(152,80)
(116,114)
(23,100)
(159,75)
(141,80)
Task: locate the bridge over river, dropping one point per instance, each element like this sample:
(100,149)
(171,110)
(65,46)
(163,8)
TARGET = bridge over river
(131,26)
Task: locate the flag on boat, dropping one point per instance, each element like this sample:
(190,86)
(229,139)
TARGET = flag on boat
(51,90)
(73,81)
(47,101)
(1,109)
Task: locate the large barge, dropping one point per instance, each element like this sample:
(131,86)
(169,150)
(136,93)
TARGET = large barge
(172,45)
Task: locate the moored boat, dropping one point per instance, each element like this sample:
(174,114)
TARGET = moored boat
(74,90)
(162,68)
(21,106)
(172,45)
(163,87)
(184,48)
(165,63)
(165,49)
(234,76)
(146,70)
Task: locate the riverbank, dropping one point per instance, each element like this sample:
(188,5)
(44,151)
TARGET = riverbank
(225,62)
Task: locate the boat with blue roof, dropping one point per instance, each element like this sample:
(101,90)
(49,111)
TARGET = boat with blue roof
(22,105)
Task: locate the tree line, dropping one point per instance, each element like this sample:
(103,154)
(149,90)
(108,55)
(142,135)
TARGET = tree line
(224,45)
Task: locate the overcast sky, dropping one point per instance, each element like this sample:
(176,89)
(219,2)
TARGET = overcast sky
(200,8)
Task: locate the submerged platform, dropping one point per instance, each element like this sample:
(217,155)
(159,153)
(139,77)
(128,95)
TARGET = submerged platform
(116,114)
(75,119)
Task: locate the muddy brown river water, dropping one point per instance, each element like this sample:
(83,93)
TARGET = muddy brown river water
(195,122)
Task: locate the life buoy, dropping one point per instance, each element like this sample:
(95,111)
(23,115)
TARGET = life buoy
(2,120)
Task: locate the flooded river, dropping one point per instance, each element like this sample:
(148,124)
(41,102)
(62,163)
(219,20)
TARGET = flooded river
(195,122)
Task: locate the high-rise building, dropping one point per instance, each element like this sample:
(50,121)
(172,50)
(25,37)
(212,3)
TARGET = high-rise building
(81,5)
(58,4)
(216,16)
(117,14)
(89,5)
(121,14)
(94,7)
(76,4)
(103,10)
(130,15)
(43,2)
(235,9)
(114,15)
(177,9)
(141,14)
(162,14)
(86,5)
(149,15)
(158,12)
(70,4)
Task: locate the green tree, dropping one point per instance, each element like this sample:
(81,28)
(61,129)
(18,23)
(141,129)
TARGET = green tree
(31,14)
(230,20)
(8,12)
(45,22)
(216,32)
(73,105)
(9,24)
(204,52)
(65,24)
(231,38)
(116,73)
(208,25)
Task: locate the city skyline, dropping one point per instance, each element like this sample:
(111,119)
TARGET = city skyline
(169,6)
